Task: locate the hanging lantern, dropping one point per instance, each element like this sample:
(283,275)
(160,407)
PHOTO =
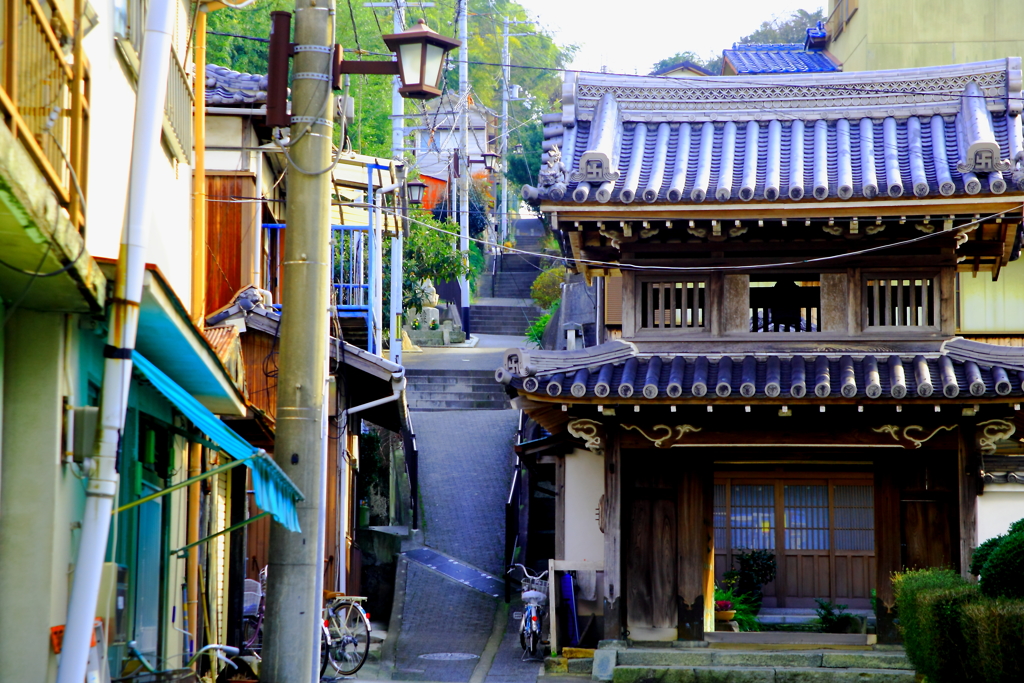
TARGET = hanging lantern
(421,52)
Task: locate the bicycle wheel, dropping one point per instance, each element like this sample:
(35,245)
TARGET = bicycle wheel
(325,656)
(350,638)
(534,643)
(252,633)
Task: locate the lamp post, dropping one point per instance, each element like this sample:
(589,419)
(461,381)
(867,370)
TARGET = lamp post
(416,192)
(293,604)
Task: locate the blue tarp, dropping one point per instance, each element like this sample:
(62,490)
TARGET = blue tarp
(275,492)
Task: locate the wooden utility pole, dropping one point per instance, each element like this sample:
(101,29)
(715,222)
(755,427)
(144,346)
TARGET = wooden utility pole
(290,644)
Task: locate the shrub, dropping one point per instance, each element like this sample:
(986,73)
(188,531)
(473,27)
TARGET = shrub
(928,603)
(756,568)
(982,553)
(535,330)
(746,615)
(546,289)
(994,631)
(1002,575)
(834,618)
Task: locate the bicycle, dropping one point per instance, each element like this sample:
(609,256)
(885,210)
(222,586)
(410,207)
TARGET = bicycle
(535,597)
(252,618)
(344,633)
(150,674)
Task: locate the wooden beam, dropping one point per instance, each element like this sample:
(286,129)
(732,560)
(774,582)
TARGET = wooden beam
(614,607)
(888,551)
(694,549)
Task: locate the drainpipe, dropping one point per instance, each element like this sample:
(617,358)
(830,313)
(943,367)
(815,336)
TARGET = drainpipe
(199,174)
(198,309)
(124,318)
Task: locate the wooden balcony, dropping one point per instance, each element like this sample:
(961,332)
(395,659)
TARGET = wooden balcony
(44,97)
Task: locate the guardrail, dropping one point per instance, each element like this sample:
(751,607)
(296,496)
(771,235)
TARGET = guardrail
(43,99)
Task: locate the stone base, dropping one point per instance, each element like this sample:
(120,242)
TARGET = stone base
(729,626)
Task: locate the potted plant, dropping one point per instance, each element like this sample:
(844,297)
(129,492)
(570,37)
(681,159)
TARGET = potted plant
(724,610)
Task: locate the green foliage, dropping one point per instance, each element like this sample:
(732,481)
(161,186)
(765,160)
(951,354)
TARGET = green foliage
(712,63)
(426,254)
(787,28)
(982,553)
(835,619)
(535,331)
(547,288)
(1002,575)
(1016,528)
(993,631)
(926,601)
(746,610)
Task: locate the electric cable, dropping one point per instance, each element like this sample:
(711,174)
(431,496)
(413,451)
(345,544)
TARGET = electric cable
(959,232)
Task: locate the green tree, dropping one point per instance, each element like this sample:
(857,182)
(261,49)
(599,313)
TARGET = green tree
(786,28)
(712,63)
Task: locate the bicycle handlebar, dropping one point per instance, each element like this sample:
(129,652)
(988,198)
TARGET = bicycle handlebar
(527,572)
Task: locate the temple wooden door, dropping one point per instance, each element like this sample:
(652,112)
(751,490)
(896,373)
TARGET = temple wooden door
(650,559)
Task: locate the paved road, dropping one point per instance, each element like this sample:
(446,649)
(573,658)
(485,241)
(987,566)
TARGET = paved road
(488,354)
(465,472)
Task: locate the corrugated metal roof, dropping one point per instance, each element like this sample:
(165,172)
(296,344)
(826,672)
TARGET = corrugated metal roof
(936,131)
(778,59)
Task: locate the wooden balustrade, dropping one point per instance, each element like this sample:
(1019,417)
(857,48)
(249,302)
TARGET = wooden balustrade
(43,99)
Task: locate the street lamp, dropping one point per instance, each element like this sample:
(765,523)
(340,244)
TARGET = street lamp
(421,52)
(416,191)
(490,161)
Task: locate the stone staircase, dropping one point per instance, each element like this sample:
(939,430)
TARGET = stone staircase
(454,390)
(509,320)
(720,663)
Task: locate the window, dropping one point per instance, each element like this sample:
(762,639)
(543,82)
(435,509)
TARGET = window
(785,304)
(678,304)
(892,300)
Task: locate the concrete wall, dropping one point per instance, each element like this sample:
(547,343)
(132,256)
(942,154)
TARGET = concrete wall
(112,114)
(584,486)
(895,34)
(40,497)
(999,507)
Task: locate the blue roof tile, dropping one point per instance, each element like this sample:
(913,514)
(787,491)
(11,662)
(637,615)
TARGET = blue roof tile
(778,59)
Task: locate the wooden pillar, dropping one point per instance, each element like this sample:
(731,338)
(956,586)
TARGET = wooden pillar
(614,607)
(968,484)
(888,553)
(559,508)
(695,551)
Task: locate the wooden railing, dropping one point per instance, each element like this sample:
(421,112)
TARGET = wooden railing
(178,111)
(38,87)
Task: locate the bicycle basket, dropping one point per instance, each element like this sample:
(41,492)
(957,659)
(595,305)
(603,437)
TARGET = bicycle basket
(251,597)
(532,584)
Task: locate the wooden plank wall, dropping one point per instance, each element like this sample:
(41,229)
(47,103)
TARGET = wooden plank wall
(229,218)
(259,351)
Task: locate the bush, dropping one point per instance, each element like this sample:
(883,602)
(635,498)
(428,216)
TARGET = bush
(928,602)
(535,330)
(994,631)
(982,553)
(746,615)
(547,289)
(1002,575)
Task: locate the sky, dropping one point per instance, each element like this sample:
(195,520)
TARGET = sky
(628,36)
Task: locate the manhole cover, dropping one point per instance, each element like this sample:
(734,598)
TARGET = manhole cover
(449,656)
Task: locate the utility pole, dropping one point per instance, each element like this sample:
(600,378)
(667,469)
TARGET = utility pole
(464,175)
(293,607)
(395,313)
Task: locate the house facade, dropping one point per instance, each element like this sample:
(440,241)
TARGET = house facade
(787,375)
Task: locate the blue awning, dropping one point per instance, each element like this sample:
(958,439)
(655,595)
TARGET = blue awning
(275,492)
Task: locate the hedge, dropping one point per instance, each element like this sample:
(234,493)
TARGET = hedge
(953,634)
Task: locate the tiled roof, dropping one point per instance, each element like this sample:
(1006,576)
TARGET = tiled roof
(225,87)
(937,131)
(955,372)
(778,59)
(685,64)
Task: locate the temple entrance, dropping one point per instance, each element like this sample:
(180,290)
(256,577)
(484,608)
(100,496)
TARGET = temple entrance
(820,526)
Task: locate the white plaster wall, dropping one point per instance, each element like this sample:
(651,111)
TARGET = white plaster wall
(998,507)
(112,114)
(584,486)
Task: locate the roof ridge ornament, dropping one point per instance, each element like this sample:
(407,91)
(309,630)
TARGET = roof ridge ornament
(596,164)
(974,123)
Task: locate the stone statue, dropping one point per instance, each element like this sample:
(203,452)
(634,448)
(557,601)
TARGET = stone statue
(552,179)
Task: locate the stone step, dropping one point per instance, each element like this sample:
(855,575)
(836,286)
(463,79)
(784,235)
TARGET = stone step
(447,372)
(457,405)
(834,659)
(756,674)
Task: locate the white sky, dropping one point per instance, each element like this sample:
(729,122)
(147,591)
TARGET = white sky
(628,36)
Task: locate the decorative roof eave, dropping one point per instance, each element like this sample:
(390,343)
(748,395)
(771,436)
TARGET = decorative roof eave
(903,206)
(877,94)
(614,373)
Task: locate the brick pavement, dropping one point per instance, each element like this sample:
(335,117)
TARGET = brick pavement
(465,471)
